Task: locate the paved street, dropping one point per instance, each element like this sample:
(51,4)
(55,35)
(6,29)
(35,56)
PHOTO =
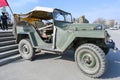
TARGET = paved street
(56,67)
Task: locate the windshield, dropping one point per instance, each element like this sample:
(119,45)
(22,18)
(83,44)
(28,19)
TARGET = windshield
(62,16)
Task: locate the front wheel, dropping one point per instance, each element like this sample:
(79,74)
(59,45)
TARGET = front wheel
(91,60)
(26,50)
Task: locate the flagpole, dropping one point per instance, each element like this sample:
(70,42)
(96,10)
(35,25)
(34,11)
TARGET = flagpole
(14,27)
(10,8)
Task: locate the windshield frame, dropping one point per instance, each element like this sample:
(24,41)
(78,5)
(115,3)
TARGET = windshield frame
(63,15)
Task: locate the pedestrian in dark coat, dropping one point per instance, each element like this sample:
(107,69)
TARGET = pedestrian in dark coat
(4,21)
(0,23)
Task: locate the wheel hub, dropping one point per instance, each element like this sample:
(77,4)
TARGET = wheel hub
(25,49)
(88,60)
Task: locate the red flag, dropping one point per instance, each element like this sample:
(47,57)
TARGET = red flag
(3,3)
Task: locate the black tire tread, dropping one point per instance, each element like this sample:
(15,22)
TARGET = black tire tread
(101,55)
(28,40)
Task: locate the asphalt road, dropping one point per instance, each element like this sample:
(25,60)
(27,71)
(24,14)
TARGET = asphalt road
(56,67)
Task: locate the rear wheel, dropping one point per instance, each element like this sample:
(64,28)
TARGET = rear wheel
(26,50)
(91,60)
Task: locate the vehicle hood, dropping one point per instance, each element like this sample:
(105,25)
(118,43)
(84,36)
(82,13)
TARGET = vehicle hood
(82,26)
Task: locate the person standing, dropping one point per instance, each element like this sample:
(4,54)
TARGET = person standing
(0,23)
(4,21)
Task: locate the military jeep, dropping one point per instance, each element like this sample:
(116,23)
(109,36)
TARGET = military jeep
(52,30)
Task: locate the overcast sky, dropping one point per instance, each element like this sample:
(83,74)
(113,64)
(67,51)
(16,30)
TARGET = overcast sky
(92,9)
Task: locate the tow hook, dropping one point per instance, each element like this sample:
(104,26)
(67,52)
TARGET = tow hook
(111,44)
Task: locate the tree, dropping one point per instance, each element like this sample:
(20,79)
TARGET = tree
(75,20)
(111,22)
(100,21)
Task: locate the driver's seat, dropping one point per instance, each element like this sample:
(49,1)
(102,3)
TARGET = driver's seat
(44,31)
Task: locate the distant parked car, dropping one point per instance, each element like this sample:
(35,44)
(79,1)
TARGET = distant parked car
(114,28)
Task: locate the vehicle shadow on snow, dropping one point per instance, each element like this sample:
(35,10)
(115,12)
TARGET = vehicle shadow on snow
(67,56)
(113,66)
(113,62)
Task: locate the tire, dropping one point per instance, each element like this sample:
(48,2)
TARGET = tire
(26,50)
(91,60)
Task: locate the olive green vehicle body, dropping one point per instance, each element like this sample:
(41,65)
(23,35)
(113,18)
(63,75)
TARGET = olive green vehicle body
(58,34)
(65,36)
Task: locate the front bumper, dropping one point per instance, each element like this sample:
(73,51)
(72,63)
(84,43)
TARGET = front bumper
(111,44)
